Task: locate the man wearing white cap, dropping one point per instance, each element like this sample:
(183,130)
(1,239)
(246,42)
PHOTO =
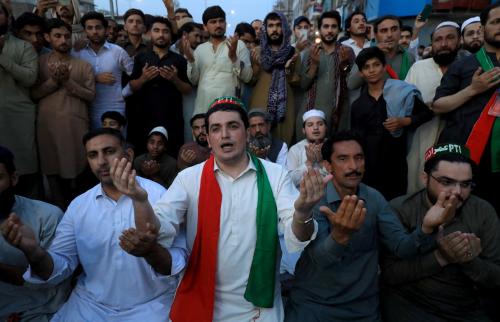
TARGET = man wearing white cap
(472,35)
(307,153)
(426,76)
(156,164)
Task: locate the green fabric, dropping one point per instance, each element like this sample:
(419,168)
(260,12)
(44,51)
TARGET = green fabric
(486,65)
(405,65)
(260,287)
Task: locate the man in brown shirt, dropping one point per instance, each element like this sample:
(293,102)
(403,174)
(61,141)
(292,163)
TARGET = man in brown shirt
(442,284)
(195,152)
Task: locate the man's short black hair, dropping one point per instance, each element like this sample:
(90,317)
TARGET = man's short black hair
(334,14)
(56,23)
(93,15)
(114,115)
(162,20)
(384,18)
(407,28)
(244,28)
(348,21)
(148,21)
(486,12)
(29,19)
(255,20)
(431,165)
(213,12)
(183,10)
(369,53)
(340,136)
(189,27)
(104,131)
(7,159)
(197,117)
(134,11)
(227,108)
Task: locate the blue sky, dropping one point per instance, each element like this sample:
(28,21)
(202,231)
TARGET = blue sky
(245,10)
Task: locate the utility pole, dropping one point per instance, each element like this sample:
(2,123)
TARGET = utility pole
(111,9)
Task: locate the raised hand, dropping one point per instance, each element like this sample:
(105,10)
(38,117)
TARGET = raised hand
(105,78)
(149,72)
(123,177)
(187,50)
(19,235)
(312,189)
(291,61)
(455,247)
(150,167)
(348,219)
(232,44)
(169,73)
(442,212)
(138,243)
(188,156)
(392,124)
(255,57)
(314,54)
(483,81)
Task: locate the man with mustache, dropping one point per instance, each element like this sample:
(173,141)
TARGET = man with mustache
(472,35)
(426,75)
(356,28)
(18,300)
(69,13)
(198,151)
(323,75)
(277,71)
(159,80)
(467,101)
(260,140)
(440,284)
(127,275)
(109,63)
(65,88)
(307,153)
(336,277)
(218,65)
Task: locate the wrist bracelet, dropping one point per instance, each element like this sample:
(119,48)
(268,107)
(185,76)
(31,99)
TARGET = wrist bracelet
(304,222)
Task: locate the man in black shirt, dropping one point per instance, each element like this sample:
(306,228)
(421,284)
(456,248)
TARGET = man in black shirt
(463,95)
(159,79)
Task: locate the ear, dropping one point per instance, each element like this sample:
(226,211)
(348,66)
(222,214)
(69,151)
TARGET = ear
(303,131)
(327,166)
(129,154)
(14,178)
(205,28)
(46,37)
(424,177)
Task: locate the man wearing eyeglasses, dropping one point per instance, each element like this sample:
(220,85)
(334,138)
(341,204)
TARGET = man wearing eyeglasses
(442,284)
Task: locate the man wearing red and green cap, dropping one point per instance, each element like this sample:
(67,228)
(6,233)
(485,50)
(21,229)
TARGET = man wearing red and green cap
(233,206)
(441,284)
(468,102)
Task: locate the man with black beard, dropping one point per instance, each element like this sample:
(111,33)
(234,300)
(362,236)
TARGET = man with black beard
(440,284)
(472,35)
(426,75)
(25,302)
(467,99)
(323,76)
(195,152)
(260,140)
(159,80)
(276,72)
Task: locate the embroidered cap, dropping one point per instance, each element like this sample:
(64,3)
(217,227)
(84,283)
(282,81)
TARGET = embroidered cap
(160,130)
(469,22)
(442,149)
(231,100)
(447,24)
(313,113)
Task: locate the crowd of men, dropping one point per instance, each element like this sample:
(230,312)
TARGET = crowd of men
(164,170)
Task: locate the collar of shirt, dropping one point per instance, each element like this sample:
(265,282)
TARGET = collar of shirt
(353,42)
(249,167)
(106,46)
(332,196)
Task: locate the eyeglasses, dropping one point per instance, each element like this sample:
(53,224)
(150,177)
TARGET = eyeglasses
(448,183)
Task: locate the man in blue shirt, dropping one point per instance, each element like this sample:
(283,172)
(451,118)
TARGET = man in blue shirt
(337,273)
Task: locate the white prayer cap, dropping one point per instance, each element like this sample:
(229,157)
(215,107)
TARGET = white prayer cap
(313,113)
(469,21)
(160,130)
(447,24)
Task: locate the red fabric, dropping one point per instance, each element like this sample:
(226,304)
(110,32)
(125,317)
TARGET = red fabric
(478,137)
(391,72)
(14,318)
(194,300)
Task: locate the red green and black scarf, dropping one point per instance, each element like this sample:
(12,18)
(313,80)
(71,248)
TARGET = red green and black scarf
(487,125)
